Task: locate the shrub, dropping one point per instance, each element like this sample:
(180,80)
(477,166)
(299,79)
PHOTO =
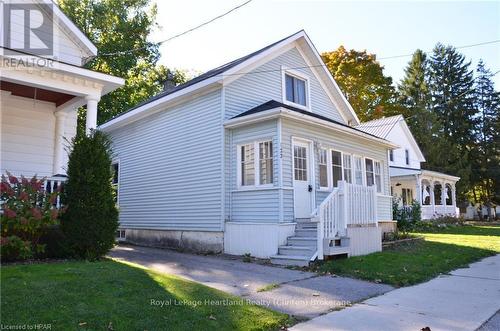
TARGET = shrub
(406,216)
(91,219)
(28,210)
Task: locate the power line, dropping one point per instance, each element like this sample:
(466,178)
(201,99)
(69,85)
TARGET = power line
(182,33)
(459,47)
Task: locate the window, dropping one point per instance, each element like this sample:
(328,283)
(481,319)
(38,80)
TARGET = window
(266,162)
(358,170)
(256,163)
(437,194)
(448,192)
(323,168)
(347,168)
(336,167)
(300,162)
(370,180)
(115,178)
(391,155)
(378,176)
(407,156)
(295,89)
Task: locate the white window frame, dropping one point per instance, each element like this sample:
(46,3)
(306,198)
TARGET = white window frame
(363,178)
(297,74)
(328,170)
(256,150)
(374,180)
(407,156)
(117,185)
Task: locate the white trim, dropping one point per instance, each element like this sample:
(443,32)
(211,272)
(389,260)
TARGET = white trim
(307,85)
(256,151)
(279,153)
(223,159)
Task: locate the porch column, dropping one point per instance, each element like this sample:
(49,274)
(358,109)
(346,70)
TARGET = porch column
(91,122)
(443,195)
(433,204)
(453,195)
(57,166)
(418,189)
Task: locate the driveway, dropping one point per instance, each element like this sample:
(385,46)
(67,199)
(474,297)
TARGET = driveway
(463,300)
(298,293)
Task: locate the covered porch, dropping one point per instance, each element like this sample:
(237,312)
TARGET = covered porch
(435,191)
(38,118)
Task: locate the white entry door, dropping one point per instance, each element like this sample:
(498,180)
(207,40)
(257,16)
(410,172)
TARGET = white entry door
(302,184)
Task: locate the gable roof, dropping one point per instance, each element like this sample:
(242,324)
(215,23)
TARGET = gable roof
(216,75)
(383,126)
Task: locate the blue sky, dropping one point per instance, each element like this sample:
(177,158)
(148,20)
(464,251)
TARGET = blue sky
(384,28)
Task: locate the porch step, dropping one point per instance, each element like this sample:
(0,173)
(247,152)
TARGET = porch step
(306,232)
(307,226)
(296,260)
(302,241)
(296,250)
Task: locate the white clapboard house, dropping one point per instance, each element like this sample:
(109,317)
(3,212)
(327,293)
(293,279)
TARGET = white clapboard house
(435,191)
(262,155)
(41,91)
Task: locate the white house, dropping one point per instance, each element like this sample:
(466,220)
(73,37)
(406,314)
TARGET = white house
(260,156)
(41,91)
(435,191)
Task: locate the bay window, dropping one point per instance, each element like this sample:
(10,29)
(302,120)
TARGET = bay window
(347,168)
(378,176)
(323,168)
(370,179)
(256,164)
(358,170)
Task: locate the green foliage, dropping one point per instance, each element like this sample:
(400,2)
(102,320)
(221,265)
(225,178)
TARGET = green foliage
(91,219)
(406,216)
(361,79)
(120,26)
(28,210)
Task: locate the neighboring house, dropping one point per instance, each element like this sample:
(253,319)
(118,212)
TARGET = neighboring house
(40,94)
(249,158)
(435,191)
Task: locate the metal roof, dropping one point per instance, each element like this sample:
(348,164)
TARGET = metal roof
(380,127)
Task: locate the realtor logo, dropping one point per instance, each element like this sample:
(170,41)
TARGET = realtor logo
(28,28)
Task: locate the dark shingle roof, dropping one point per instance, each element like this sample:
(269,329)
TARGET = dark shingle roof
(209,74)
(272,104)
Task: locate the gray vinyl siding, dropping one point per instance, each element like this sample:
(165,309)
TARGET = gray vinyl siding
(170,167)
(248,204)
(264,83)
(328,139)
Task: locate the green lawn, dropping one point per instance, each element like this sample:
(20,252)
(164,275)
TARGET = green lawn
(109,295)
(442,250)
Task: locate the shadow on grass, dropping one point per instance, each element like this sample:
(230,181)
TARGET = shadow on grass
(109,295)
(407,264)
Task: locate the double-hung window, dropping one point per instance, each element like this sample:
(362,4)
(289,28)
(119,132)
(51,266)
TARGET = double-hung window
(347,167)
(296,90)
(336,167)
(358,170)
(256,163)
(323,168)
(370,178)
(378,176)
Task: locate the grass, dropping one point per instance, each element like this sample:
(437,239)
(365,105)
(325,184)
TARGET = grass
(108,295)
(442,251)
(268,287)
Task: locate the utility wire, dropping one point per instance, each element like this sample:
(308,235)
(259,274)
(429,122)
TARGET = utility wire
(459,47)
(182,33)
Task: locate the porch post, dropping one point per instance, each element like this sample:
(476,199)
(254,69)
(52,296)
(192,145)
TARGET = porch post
(443,195)
(453,195)
(418,189)
(431,185)
(59,142)
(91,122)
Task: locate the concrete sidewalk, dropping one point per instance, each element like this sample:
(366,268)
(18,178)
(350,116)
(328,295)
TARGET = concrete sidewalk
(299,293)
(463,300)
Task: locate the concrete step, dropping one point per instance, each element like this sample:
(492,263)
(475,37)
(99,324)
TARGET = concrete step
(302,241)
(306,232)
(295,260)
(296,250)
(306,226)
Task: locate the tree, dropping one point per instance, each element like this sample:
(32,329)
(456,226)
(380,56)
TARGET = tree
(91,217)
(452,100)
(486,177)
(361,79)
(415,98)
(121,28)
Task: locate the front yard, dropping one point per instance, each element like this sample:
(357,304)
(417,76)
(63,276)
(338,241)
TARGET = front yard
(442,251)
(109,295)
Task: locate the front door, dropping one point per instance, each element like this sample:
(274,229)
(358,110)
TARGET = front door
(302,184)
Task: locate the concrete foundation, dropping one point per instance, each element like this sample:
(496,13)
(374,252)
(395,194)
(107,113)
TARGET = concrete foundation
(388,226)
(193,241)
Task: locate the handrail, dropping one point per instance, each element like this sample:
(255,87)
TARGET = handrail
(318,216)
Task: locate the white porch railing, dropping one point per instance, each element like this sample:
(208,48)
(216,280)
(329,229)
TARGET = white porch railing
(346,204)
(429,211)
(52,184)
